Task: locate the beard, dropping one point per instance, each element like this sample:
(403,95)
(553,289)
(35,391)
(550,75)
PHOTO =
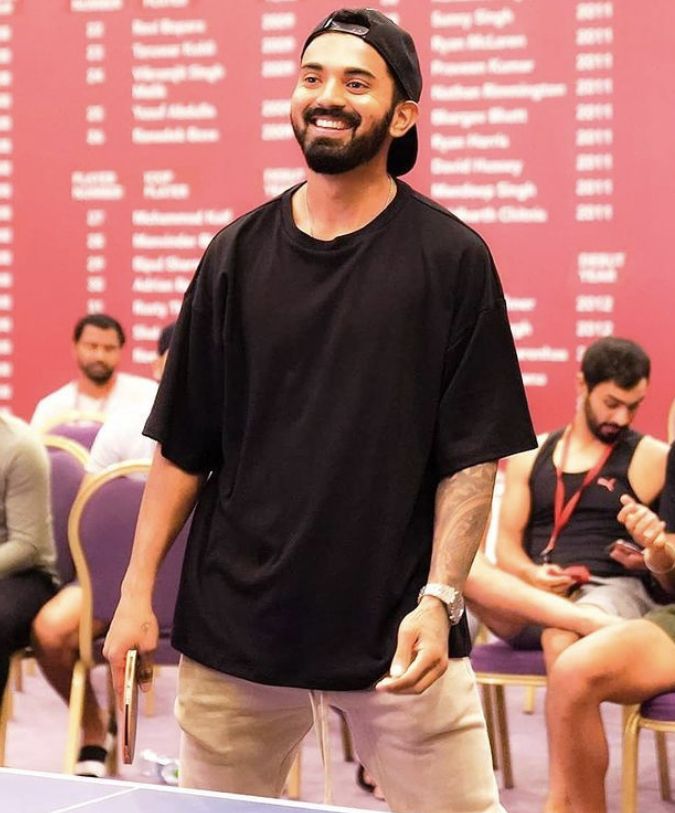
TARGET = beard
(97,372)
(327,155)
(604,431)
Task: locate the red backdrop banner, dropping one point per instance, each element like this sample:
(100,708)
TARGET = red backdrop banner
(132,130)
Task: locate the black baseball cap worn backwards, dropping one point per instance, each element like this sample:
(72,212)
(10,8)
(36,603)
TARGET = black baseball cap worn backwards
(397,49)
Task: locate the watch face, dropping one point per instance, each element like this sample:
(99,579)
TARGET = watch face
(450,596)
(456,608)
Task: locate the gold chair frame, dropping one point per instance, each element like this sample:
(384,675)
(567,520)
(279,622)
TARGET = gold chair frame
(494,706)
(634,722)
(77,450)
(85,662)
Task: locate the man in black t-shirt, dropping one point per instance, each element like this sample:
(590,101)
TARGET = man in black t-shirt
(626,663)
(343,368)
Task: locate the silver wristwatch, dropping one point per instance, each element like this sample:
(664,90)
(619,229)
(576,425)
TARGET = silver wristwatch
(450,596)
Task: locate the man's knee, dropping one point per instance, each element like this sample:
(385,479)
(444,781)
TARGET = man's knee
(53,630)
(577,676)
(554,642)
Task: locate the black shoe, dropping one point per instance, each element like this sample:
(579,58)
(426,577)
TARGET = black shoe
(93,759)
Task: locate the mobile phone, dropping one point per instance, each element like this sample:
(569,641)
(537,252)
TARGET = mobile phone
(626,546)
(580,573)
(130,706)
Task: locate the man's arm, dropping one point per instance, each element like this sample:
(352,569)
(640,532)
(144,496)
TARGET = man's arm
(462,509)
(504,603)
(169,496)
(26,496)
(649,531)
(513,518)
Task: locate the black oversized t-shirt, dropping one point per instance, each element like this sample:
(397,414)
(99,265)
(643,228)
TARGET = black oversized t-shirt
(329,387)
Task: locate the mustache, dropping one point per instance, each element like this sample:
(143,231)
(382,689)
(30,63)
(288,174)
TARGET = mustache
(351,119)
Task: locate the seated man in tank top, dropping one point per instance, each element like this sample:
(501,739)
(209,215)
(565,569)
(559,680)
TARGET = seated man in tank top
(626,664)
(558,522)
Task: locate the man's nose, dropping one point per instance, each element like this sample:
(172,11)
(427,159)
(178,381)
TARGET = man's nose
(622,416)
(332,94)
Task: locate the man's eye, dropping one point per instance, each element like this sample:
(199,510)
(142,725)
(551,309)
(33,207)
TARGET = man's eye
(356,85)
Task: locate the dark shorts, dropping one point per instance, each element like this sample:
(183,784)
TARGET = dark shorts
(664,617)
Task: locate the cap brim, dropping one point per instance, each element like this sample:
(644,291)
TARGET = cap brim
(403,153)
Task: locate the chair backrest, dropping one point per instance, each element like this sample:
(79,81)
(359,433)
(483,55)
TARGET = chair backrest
(78,426)
(101,531)
(67,461)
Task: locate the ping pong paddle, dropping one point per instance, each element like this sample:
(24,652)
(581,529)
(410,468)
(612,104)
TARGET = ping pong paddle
(130,706)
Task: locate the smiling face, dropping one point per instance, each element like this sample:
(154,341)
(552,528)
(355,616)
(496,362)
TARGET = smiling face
(343,105)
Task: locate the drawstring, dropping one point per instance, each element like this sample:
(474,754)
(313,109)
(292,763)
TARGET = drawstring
(320,715)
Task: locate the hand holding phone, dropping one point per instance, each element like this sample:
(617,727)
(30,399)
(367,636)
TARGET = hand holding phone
(579,573)
(627,553)
(626,546)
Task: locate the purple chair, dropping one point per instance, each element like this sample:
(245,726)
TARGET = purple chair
(82,427)
(100,531)
(67,461)
(82,433)
(498,665)
(658,715)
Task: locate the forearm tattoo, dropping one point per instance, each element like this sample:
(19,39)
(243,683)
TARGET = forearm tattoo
(463,504)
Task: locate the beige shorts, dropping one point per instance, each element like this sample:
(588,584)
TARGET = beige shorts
(624,596)
(429,752)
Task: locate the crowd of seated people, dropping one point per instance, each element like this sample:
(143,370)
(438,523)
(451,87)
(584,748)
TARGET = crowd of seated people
(563,570)
(125,401)
(55,628)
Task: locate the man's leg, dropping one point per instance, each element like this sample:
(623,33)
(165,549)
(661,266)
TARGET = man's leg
(55,641)
(237,736)
(429,752)
(21,597)
(626,663)
(506,603)
(622,597)
(554,642)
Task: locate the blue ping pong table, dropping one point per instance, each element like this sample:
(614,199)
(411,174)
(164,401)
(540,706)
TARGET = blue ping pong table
(32,792)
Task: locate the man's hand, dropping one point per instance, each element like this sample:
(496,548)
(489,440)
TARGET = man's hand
(649,531)
(643,524)
(550,577)
(421,655)
(626,556)
(134,626)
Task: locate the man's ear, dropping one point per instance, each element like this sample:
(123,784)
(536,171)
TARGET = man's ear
(582,386)
(405,116)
